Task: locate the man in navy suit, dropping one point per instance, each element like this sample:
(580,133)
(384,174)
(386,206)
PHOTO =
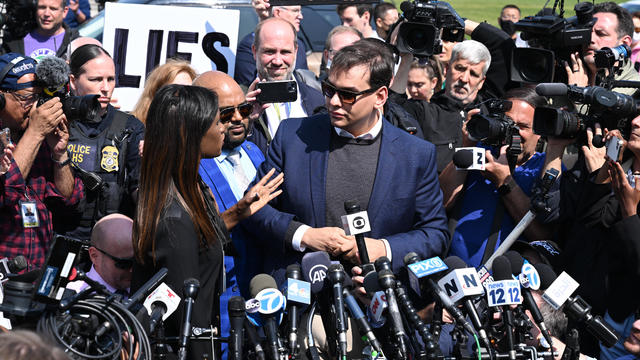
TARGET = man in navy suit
(274,49)
(228,176)
(351,153)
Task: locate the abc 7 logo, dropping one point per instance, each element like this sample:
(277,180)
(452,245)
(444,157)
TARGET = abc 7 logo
(358,222)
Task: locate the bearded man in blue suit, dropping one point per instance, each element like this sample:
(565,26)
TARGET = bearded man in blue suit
(351,153)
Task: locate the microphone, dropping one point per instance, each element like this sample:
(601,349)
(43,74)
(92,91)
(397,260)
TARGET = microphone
(336,277)
(356,223)
(190,291)
(358,316)
(263,286)
(552,89)
(161,303)
(314,269)
(53,74)
(142,292)
(559,293)
(295,294)
(252,336)
(502,271)
(13,266)
(517,263)
(469,158)
(463,158)
(388,283)
(237,316)
(465,284)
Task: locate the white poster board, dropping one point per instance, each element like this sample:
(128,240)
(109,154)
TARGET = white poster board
(139,37)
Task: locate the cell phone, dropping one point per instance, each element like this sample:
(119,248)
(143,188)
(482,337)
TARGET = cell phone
(280,91)
(614,147)
(5,139)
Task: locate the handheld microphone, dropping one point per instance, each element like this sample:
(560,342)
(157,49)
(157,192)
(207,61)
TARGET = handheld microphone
(237,316)
(190,291)
(358,316)
(551,89)
(252,336)
(356,223)
(561,287)
(502,271)
(142,292)
(314,269)
(388,283)
(517,264)
(161,303)
(263,286)
(469,158)
(336,277)
(294,276)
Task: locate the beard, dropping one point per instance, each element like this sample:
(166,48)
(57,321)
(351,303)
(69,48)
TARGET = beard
(230,144)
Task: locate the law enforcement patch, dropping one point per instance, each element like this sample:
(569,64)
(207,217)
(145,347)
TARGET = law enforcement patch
(109,161)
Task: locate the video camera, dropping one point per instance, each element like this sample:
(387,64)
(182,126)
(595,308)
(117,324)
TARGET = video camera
(552,38)
(611,109)
(495,128)
(420,35)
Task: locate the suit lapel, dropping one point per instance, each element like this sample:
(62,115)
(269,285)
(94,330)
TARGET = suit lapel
(209,171)
(318,169)
(386,167)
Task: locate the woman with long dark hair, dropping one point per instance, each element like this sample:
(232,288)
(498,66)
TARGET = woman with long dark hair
(177,224)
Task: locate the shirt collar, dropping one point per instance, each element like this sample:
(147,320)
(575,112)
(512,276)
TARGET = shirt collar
(371,134)
(226,152)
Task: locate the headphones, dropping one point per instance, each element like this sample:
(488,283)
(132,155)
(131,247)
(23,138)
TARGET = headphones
(3,74)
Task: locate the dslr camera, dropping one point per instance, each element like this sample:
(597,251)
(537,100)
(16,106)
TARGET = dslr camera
(420,34)
(552,38)
(609,108)
(495,128)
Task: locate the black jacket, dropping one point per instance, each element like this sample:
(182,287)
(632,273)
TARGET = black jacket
(17,46)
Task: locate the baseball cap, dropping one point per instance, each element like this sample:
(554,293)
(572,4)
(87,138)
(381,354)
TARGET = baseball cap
(22,65)
(547,250)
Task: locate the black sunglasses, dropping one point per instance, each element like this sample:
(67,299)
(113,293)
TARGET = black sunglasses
(120,263)
(226,113)
(346,96)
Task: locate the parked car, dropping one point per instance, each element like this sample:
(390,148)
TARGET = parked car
(317,22)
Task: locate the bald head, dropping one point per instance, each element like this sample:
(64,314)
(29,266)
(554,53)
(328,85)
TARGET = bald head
(230,97)
(112,231)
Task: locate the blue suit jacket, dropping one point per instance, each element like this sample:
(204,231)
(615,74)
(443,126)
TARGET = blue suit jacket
(311,99)
(405,206)
(240,270)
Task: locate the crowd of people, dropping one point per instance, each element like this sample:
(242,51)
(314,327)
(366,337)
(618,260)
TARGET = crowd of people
(205,180)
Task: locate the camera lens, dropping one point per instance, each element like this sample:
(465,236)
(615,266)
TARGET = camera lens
(483,128)
(81,107)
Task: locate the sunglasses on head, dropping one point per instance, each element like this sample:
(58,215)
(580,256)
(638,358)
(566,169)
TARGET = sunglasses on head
(346,96)
(226,113)
(120,263)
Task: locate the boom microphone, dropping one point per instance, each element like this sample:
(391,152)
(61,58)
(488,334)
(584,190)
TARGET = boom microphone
(551,89)
(52,73)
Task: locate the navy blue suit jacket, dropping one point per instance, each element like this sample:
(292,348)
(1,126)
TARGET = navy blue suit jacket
(245,70)
(405,206)
(311,99)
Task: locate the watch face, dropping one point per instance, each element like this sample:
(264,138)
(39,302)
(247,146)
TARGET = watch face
(504,189)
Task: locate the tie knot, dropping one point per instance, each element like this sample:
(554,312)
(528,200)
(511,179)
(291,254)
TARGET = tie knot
(234,157)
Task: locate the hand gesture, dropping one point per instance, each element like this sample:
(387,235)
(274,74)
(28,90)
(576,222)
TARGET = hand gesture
(593,156)
(74,5)
(497,170)
(58,139)
(251,97)
(628,196)
(5,160)
(45,118)
(260,194)
(261,7)
(576,72)
(329,239)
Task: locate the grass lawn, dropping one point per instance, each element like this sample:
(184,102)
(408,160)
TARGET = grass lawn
(489,10)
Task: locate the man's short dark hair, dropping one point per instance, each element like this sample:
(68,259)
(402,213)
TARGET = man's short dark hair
(362,8)
(526,94)
(381,9)
(510,6)
(625,21)
(371,53)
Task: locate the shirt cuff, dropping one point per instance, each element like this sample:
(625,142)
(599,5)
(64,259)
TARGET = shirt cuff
(296,241)
(387,248)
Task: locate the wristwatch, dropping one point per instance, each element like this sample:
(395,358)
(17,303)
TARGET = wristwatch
(506,188)
(61,163)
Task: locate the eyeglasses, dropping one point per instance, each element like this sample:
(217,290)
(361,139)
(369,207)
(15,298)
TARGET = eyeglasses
(26,100)
(226,113)
(295,11)
(346,96)
(120,263)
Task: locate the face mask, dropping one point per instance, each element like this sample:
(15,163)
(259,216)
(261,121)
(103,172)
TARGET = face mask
(636,36)
(508,26)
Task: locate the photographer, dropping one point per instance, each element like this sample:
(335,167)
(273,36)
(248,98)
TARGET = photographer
(614,27)
(477,70)
(104,147)
(500,196)
(39,170)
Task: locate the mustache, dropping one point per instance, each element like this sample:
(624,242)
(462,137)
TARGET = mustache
(460,85)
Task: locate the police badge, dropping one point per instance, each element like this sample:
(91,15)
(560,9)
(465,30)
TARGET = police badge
(109,161)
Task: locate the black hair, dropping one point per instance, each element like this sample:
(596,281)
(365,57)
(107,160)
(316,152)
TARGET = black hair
(510,6)
(381,9)
(372,53)
(625,21)
(82,55)
(526,94)
(361,8)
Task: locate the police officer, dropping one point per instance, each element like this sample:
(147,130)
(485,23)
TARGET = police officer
(103,149)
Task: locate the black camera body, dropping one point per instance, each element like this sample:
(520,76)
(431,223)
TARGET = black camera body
(420,35)
(495,128)
(606,58)
(74,107)
(609,108)
(551,38)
